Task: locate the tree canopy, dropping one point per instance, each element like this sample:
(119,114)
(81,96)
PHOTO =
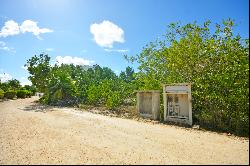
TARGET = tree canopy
(215,62)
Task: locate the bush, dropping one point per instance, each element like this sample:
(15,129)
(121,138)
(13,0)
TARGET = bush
(21,93)
(10,94)
(44,99)
(1,93)
(114,100)
(31,89)
(29,93)
(93,95)
(215,62)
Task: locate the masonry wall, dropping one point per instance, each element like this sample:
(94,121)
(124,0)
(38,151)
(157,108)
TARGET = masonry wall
(148,104)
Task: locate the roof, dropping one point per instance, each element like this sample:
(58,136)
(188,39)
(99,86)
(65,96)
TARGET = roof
(148,91)
(177,84)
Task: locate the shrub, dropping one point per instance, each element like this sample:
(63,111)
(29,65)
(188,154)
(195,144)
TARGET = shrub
(114,100)
(93,95)
(44,99)
(215,62)
(29,93)
(10,94)
(21,93)
(1,93)
(61,88)
(31,89)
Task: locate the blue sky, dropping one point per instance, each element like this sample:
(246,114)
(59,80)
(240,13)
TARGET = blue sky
(98,31)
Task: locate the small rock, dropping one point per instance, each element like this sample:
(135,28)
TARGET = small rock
(196,127)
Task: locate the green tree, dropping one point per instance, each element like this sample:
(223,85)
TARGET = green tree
(1,93)
(30,88)
(4,86)
(61,87)
(70,85)
(217,65)
(128,75)
(14,84)
(39,69)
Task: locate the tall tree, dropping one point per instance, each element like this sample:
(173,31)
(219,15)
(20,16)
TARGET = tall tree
(14,84)
(215,62)
(128,75)
(39,69)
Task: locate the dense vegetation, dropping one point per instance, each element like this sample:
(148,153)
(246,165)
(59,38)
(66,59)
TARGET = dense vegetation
(1,93)
(216,62)
(12,89)
(72,85)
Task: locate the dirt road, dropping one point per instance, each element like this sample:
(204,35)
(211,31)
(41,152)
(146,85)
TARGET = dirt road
(31,135)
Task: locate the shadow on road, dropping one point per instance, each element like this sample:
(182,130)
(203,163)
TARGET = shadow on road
(36,107)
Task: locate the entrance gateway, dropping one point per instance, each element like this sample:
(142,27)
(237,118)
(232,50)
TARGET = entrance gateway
(177,103)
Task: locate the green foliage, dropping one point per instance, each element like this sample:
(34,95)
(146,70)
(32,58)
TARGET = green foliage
(11,84)
(1,93)
(217,65)
(4,86)
(114,100)
(93,95)
(14,84)
(61,87)
(111,93)
(21,93)
(10,94)
(32,89)
(29,93)
(44,99)
(128,75)
(39,69)
(70,85)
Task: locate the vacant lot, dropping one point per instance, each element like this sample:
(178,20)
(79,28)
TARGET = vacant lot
(30,134)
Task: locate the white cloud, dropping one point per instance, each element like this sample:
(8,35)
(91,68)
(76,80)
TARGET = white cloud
(25,81)
(106,33)
(31,26)
(12,28)
(116,50)
(5,77)
(4,47)
(72,60)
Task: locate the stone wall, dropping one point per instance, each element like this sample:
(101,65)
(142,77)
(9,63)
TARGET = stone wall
(148,103)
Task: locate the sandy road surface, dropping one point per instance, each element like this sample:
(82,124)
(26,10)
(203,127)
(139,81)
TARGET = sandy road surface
(67,136)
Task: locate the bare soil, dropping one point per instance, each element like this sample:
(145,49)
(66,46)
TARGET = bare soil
(35,134)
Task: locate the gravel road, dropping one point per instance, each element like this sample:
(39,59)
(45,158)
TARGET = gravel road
(32,134)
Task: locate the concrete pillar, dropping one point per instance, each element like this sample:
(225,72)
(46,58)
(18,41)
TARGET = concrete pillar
(155,105)
(138,102)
